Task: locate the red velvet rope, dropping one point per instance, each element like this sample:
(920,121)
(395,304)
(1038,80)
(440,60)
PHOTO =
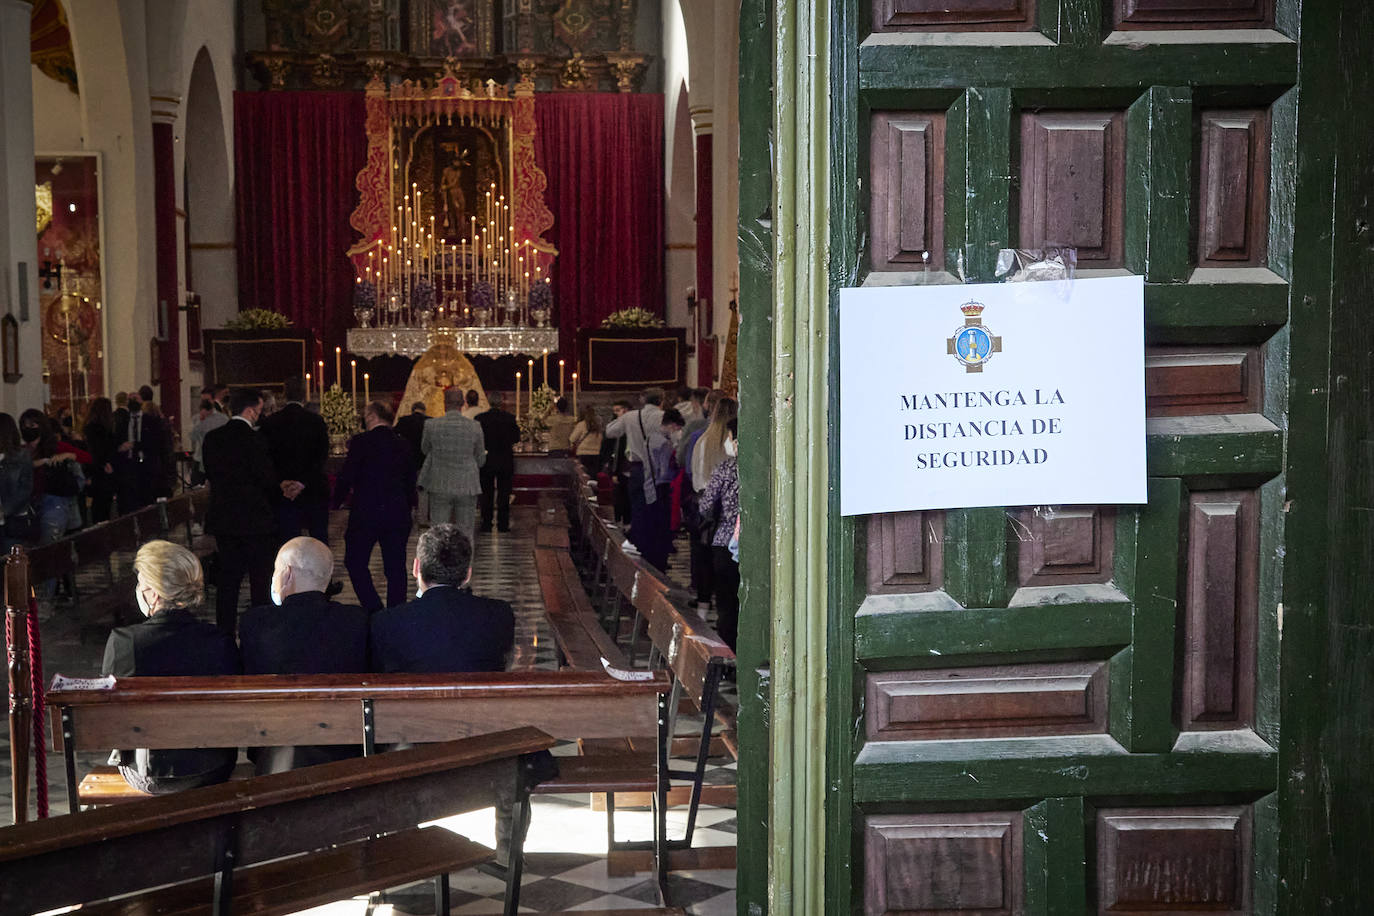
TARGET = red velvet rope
(40,753)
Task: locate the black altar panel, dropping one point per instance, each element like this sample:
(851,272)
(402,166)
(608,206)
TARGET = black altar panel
(265,359)
(632,358)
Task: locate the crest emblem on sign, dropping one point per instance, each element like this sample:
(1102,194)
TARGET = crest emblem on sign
(973,344)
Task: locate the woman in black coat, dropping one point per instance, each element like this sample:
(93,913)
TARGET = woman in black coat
(104,447)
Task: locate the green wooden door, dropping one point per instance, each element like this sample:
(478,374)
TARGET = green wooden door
(1064,710)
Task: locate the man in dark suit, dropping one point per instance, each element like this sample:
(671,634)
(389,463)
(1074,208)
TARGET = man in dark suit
(500,432)
(141,461)
(446,628)
(380,474)
(298,441)
(412,429)
(243,487)
(303,632)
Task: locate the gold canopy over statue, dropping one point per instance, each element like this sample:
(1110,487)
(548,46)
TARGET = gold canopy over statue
(442,366)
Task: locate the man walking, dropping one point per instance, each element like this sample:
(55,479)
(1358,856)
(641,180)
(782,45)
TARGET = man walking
(454,449)
(243,484)
(645,443)
(380,474)
(298,441)
(501,432)
(412,429)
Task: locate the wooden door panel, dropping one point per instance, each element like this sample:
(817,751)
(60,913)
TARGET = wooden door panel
(1173,860)
(1193,381)
(944,863)
(1233,195)
(1193,14)
(952,15)
(908,177)
(1072,184)
(905,553)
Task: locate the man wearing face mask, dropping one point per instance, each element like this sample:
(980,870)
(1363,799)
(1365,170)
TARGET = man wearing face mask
(243,483)
(302,632)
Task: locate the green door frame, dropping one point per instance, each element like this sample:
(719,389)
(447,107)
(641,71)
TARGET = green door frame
(797,564)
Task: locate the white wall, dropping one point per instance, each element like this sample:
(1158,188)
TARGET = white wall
(679,237)
(56,115)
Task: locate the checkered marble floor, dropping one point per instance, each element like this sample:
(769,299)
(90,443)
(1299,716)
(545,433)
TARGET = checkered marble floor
(565,866)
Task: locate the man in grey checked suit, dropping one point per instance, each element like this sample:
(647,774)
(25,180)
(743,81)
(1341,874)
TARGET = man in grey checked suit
(454,449)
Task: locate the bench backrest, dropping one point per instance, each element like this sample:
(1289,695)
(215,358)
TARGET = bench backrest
(91,855)
(164,712)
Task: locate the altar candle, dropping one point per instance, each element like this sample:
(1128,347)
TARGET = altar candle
(353,379)
(367,389)
(574,378)
(546,367)
(321,365)
(307,388)
(531,386)
(560,378)
(517,396)
(338,366)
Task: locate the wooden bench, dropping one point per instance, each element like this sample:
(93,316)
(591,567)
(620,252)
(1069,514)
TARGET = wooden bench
(582,643)
(273,844)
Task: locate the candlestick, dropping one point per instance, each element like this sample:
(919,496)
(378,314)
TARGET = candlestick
(517,396)
(321,364)
(338,366)
(546,367)
(367,389)
(531,386)
(574,380)
(353,380)
(560,378)
(307,388)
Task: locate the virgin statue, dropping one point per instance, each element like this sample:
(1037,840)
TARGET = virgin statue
(442,366)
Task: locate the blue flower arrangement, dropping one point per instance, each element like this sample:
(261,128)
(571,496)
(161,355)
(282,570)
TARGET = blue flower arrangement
(365,295)
(541,295)
(483,296)
(422,295)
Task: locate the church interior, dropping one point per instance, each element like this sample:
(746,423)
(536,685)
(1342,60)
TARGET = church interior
(426,487)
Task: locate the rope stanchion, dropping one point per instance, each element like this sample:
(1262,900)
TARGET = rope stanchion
(20,681)
(40,710)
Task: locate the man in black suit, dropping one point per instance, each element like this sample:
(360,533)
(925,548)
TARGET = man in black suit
(141,461)
(412,429)
(446,628)
(298,441)
(379,472)
(303,632)
(243,487)
(501,432)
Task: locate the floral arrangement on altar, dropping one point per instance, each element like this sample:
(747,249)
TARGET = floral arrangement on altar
(541,295)
(483,296)
(364,295)
(258,320)
(422,295)
(340,415)
(632,318)
(534,422)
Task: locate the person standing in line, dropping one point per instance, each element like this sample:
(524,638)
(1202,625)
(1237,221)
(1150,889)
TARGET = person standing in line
(720,507)
(411,428)
(561,423)
(704,452)
(454,449)
(501,433)
(642,431)
(209,419)
(617,466)
(243,488)
(379,473)
(299,443)
(586,440)
(472,406)
(100,439)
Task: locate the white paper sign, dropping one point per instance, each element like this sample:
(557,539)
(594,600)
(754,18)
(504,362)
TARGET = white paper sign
(1036,398)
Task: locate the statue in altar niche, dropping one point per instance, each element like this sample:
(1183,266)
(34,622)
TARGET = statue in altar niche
(454,165)
(441,367)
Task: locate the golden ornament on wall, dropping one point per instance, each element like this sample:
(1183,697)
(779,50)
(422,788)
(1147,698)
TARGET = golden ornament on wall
(43,193)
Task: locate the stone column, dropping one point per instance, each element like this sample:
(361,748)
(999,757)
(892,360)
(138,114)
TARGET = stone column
(18,238)
(165,110)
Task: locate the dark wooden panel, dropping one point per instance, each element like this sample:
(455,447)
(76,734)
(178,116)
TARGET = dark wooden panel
(1193,14)
(1192,381)
(952,15)
(1173,860)
(907,155)
(1063,546)
(1010,700)
(1233,188)
(1073,183)
(943,863)
(904,552)
(1220,610)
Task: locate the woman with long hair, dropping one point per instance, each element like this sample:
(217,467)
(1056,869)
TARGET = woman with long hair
(720,507)
(58,480)
(99,433)
(586,439)
(704,456)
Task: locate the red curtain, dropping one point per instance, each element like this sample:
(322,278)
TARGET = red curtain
(296,156)
(603,155)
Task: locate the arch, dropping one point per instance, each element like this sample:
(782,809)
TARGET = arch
(682,161)
(211,266)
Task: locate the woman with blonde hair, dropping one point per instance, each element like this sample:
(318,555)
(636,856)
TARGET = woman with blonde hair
(705,454)
(586,439)
(170,642)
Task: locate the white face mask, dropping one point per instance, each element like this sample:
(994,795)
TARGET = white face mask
(142,602)
(731,448)
(276,595)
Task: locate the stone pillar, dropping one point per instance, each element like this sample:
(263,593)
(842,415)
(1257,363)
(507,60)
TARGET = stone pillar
(18,238)
(165,110)
(705,243)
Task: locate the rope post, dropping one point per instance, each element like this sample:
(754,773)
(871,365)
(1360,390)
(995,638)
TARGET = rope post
(20,685)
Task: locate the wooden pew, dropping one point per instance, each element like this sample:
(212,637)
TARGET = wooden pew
(582,643)
(273,844)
